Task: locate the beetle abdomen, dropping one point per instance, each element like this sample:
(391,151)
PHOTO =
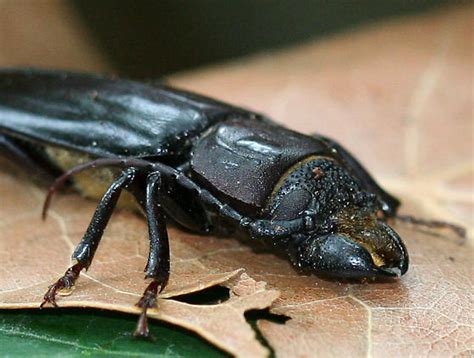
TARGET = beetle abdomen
(91,184)
(103,116)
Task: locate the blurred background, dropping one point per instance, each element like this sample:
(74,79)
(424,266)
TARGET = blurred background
(150,39)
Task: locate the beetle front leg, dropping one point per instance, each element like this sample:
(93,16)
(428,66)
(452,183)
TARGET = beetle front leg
(158,265)
(257,228)
(84,252)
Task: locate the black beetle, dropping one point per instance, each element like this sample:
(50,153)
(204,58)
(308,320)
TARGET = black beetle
(210,167)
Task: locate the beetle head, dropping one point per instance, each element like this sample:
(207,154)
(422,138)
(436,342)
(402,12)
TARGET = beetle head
(347,239)
(360,245)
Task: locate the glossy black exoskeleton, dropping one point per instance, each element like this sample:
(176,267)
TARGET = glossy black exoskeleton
(206,165)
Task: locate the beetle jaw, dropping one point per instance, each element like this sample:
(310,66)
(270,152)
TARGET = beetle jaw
(387,250)
(369,250)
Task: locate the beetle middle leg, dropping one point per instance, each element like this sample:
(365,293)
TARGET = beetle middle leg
(257,228)
(84,252)
(158,264)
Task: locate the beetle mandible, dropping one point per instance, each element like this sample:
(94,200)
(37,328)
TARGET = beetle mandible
(208,166)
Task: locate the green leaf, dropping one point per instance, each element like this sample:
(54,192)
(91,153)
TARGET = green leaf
(80,332)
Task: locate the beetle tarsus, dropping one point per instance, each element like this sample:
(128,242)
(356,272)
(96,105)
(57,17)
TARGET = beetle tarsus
(434,224)
(148,300)
(85,250)
(66,282)
(142,330)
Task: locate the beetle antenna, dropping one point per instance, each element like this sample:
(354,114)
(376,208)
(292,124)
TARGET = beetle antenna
(102,162)
(435,224)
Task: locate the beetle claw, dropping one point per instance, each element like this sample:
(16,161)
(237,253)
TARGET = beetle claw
(50,297)
(142,330)
(148,300)
(66,282)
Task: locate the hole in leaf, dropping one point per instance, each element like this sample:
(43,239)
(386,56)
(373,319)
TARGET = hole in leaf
(253,316)
(210,296)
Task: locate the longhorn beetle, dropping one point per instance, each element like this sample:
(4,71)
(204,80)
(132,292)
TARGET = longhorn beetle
(208,166)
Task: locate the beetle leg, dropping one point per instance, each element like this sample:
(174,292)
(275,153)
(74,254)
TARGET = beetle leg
(158,265)
(279,229)
(256,228)
(187,211)
(185,207)
(207,198)
(434,224)
(84,252)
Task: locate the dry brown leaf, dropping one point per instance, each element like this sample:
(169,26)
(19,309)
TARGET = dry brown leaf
(40,252)
(399,96)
